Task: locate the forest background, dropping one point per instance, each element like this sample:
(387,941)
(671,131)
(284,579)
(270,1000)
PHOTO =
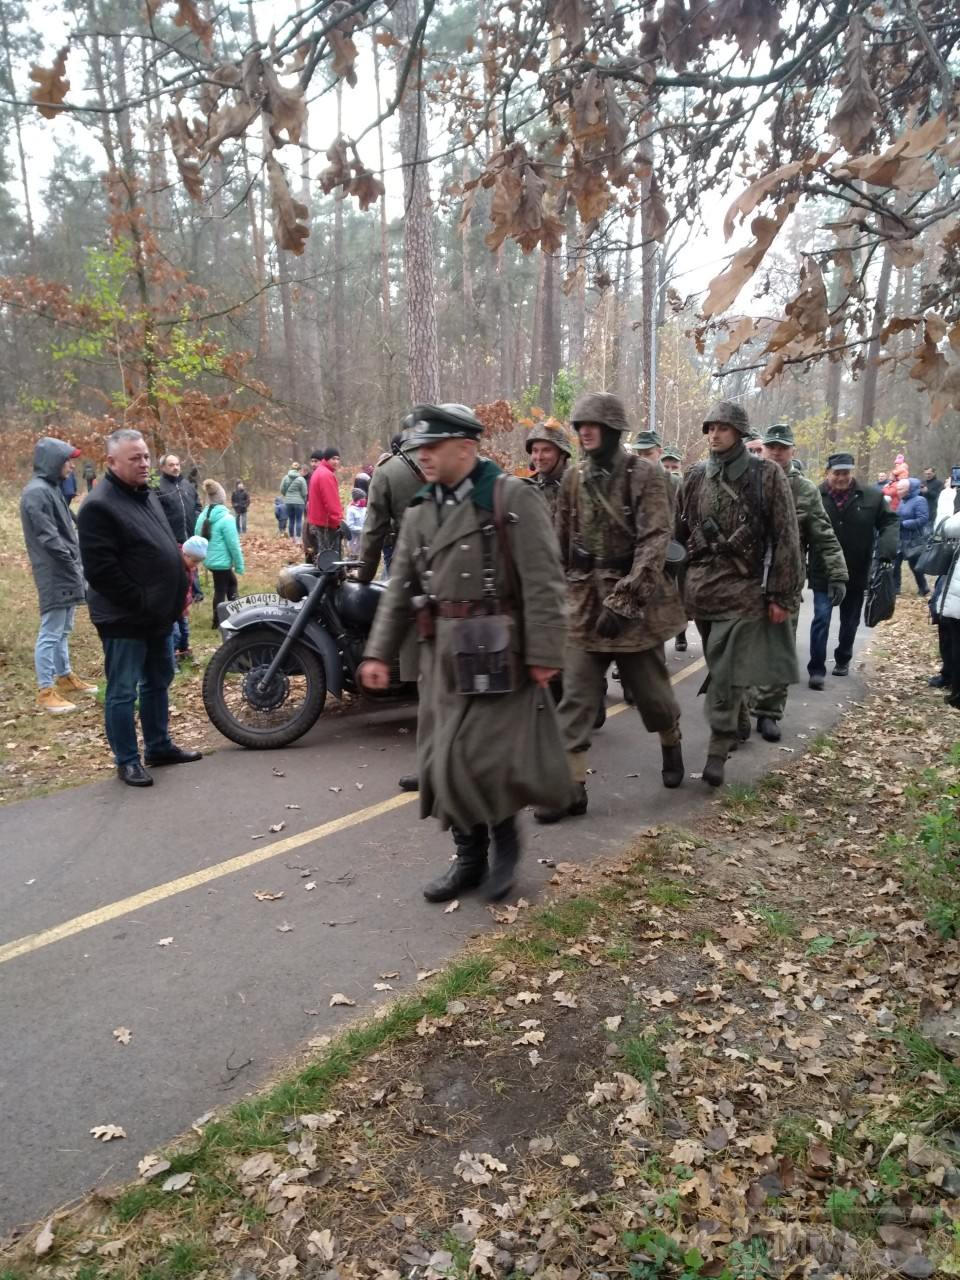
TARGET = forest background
(249,229)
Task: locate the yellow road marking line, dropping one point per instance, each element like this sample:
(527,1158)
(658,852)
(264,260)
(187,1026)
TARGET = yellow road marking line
(35,941)
(681,675)
(125,906)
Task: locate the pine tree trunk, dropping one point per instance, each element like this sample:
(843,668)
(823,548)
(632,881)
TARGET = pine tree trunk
(338,372)
(423,352)
(550,332)
(503,311)
(648,268)
(17,128)
(576,298)
(386,352)
(868,400)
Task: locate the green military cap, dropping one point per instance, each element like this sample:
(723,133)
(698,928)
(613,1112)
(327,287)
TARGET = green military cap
(671,451)
(779,433)
(647,440)
(443,422)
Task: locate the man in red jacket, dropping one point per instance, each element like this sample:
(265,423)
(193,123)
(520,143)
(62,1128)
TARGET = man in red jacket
(322,530)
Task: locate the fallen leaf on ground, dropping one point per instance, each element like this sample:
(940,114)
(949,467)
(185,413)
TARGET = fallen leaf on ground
(553,977)
(285,927)
(177,1182)
(151,1166)
(277,826)
(613,1024)
(570,1161)
(122,1034)
(107,1132)
(264,895)
(565,999)
(311,884)
(424,974)
(44,1241)
(339,998)
(453,906)
(382,986)
(531,1037)
(164,942)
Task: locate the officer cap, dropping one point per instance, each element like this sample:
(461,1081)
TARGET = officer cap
(600,407)
(779,433)
(647,440)
(671,451)
(729,412)
(841,462)
(443,422)
(550,432)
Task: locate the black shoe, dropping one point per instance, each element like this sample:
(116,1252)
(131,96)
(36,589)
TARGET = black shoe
(841,668)
(134,775)
(468,871)
(575,809)
(672,771)
(743,724)
(938,682)
(680,644)
(173,755)
(768,728)
(506,855)
(409,782)
(816,682)
(600,719)
(953,700)
(713,771)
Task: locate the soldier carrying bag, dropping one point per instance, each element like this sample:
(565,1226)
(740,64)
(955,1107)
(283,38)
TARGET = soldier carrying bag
(484,660)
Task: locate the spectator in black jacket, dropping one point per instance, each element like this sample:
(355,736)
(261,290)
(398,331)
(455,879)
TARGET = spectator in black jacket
(240,501)
(178,497)
(137,586)
(861,520)
(930,489)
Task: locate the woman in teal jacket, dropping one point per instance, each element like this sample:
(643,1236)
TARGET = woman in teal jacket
(224,554)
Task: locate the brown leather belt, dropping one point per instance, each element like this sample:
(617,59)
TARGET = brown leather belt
(469,608)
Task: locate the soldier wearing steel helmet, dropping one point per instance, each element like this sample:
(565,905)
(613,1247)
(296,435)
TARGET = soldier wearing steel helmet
(744,575)
(549,451)
(477,561)
(614,520)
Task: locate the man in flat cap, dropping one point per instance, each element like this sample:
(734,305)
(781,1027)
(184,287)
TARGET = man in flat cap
(549,451)
(859,516)
(816,536)
(744,575)
(614,520)
(477,562)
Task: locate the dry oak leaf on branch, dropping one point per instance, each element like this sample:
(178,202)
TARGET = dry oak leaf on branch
(283,109)
(858,106)
(904,165)
(748,200)
(289,215)
(52,86)
(186,152)
(725,287)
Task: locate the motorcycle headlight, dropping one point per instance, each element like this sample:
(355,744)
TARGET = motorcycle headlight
(289,585)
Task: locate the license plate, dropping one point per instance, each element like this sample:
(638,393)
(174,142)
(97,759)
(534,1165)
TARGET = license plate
(258,599)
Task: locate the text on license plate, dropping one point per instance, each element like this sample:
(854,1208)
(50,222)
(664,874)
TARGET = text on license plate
(250,602)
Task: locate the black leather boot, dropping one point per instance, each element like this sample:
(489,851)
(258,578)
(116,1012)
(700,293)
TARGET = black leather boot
(713,770)
(575,809)
(506,855)
(672,772)
(467,872)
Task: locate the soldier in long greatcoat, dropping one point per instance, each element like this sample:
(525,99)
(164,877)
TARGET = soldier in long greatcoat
(477,561)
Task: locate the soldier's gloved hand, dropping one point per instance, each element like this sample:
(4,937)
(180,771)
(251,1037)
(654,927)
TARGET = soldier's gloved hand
(836,591)
(609,624)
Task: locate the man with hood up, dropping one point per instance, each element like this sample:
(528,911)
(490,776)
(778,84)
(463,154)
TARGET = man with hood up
(54,550)
(614,521)
(744,575)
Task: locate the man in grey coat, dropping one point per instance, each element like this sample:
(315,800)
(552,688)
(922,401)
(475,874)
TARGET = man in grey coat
(51,538)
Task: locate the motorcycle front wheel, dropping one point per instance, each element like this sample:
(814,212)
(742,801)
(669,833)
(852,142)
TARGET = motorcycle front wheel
(270,716)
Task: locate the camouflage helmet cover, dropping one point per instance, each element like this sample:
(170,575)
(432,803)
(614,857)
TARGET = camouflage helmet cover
(600,407)
(729,412)
(550,432)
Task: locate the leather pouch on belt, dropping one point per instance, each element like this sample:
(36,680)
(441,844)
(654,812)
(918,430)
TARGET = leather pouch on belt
(484,662)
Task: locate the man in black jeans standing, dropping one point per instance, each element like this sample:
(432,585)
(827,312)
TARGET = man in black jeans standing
(137,587)
(859,516)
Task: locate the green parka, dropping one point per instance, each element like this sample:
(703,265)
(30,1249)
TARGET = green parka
(481,758)
(817,536)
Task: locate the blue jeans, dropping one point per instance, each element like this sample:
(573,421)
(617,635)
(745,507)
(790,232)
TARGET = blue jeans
(181,635)
(144,669)
(51,654)
(295,519)
(850,612)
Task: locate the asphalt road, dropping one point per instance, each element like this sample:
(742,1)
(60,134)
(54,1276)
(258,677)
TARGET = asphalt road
(137,909)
